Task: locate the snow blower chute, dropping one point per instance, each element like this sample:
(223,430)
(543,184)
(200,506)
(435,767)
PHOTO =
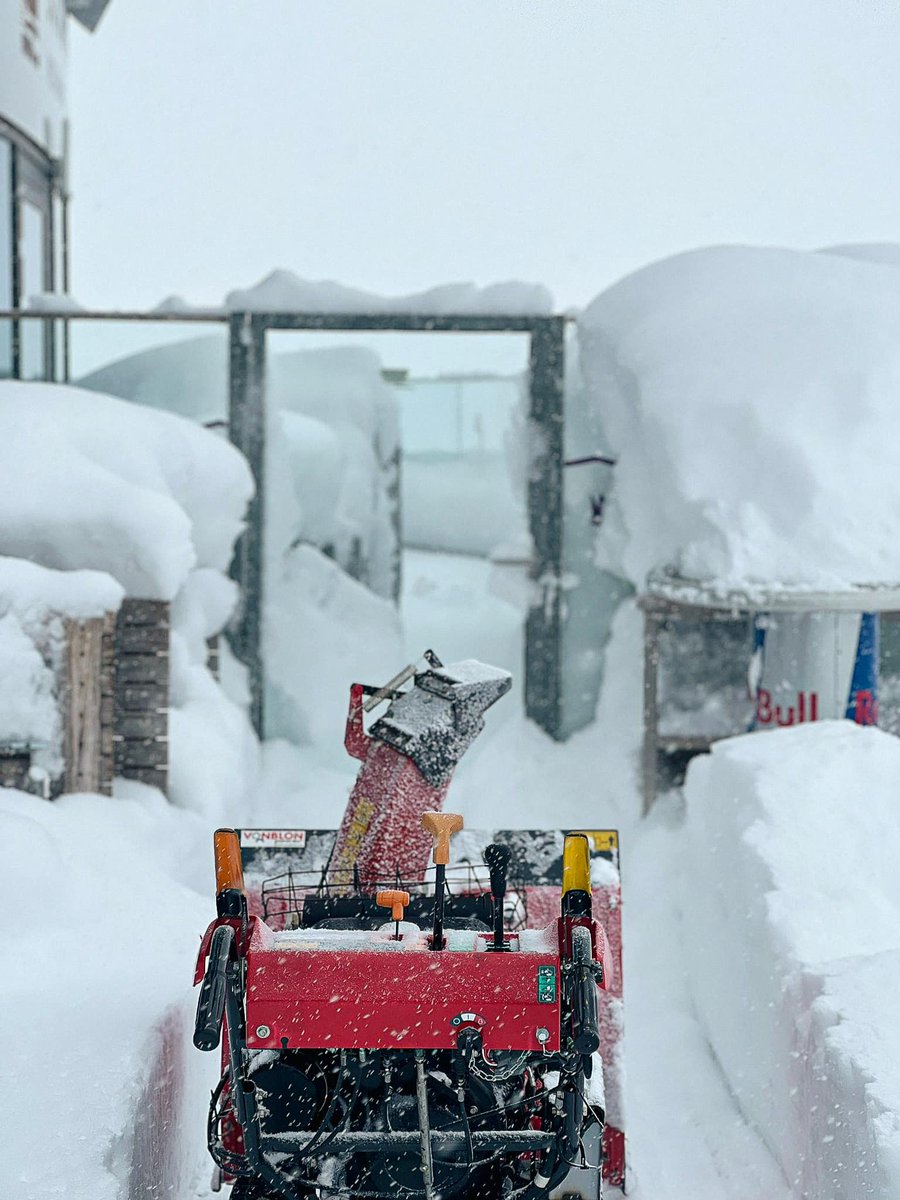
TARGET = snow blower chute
(393,1028)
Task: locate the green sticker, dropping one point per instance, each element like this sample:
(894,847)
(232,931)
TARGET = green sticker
(546,985)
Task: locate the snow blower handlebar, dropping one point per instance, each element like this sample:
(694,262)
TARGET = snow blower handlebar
(585,1011)
(211,1002)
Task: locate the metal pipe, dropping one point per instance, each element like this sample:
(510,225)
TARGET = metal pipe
(389,688)
(366,1141)
(437,938)
(424,1128)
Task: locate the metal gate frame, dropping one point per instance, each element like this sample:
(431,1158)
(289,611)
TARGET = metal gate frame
(247,422)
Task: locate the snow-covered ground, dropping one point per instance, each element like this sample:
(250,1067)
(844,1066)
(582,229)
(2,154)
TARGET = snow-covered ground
(759,905)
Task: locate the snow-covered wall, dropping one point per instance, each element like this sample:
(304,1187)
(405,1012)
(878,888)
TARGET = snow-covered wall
(791,899)
(150,504)
(34,602)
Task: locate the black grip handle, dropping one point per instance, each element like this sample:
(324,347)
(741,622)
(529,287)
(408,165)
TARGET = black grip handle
(211,1003)
(496,858)
(585,1010)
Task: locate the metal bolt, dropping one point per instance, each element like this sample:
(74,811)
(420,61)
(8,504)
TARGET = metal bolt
(263,1031)
(542,1034)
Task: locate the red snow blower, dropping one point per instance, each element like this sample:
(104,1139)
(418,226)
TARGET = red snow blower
(399,1030)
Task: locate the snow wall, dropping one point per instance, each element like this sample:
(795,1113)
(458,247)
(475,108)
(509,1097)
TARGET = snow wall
(95,968)
(791,900)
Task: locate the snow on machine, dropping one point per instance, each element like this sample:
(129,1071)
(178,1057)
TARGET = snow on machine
(396,1029)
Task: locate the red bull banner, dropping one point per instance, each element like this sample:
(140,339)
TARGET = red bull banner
(814,666)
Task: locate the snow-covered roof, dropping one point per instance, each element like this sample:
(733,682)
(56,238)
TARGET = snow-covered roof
(87,12)
(750,397)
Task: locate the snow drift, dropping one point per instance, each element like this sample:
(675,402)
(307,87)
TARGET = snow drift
(92,481)
(750,395)
(792,906)
(283,291)
(332,433)
(95,965)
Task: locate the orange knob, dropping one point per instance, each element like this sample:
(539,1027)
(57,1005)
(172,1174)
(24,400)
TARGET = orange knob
(441,826)
(395,901)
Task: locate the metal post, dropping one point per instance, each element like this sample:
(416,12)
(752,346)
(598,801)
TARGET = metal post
(424,1126)
(650,750)
(246,426)
(543,628)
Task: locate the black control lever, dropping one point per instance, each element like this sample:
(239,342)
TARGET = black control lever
(496,858)
(211,1004)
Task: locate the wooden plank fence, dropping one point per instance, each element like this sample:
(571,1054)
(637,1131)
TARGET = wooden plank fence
(114,700)
(141,710)
(88,704)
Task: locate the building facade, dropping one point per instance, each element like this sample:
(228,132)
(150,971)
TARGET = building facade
(33,193)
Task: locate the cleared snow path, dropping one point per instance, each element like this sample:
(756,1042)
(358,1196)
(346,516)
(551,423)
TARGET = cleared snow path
(687,1138)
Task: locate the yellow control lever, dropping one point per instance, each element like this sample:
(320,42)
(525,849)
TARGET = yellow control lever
(442,827)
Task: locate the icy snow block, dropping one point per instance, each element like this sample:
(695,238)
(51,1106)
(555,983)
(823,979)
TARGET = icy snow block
(438,719)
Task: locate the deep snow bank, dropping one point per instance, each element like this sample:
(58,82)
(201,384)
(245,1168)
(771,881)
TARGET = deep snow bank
(332,440)
(750,395)
(152,503)
(92,481)
(95,967)
(791,898)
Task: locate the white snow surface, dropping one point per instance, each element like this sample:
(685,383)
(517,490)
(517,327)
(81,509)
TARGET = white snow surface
(283,291)
(332,428)
(100,934)
(92,481)
(792,908)
(323,631)
(34,592)
(750,396)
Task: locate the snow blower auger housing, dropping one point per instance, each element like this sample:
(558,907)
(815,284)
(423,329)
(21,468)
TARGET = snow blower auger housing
(398,1031)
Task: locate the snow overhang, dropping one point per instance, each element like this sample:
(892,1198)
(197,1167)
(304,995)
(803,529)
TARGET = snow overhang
(87,12)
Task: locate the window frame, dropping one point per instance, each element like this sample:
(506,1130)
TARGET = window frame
(38,179)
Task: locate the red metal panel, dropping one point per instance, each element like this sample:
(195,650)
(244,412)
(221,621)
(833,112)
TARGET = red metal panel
(386,999)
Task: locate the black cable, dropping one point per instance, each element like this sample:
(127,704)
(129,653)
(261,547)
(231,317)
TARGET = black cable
(234,1164)
(470,1149)
(313,1142)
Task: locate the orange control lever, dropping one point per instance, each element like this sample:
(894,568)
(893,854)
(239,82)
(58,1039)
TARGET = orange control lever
(441,826)
(395,901)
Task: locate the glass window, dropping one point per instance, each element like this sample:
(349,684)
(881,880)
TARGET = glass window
(32,281)
(6,256)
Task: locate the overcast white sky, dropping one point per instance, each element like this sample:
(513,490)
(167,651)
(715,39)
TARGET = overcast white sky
(395,144)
